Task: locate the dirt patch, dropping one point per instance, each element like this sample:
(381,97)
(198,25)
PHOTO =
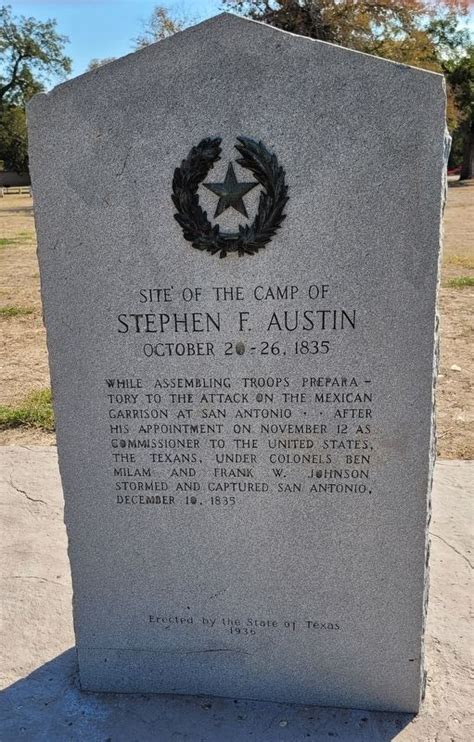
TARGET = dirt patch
(23,355)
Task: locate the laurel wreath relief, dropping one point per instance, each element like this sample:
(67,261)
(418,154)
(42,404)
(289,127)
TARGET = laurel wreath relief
(198,230)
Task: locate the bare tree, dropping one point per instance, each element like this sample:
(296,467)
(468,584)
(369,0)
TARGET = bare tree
(159,26)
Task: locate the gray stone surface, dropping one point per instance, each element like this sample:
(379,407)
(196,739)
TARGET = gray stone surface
(332,569)
(41,700)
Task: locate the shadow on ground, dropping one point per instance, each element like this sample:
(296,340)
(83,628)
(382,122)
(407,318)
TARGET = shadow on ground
(48,706)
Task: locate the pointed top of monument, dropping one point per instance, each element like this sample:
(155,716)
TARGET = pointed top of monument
(214,36)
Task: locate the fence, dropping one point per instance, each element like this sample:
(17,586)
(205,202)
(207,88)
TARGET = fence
(15,191)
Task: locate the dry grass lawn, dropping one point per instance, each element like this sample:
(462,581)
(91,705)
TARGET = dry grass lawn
(23,355)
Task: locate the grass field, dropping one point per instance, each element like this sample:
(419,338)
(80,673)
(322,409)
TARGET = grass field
(25,407)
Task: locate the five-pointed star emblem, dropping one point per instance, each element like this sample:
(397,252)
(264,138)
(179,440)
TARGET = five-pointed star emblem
(230,192)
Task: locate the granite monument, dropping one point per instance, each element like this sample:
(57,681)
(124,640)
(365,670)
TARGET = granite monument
(239,235)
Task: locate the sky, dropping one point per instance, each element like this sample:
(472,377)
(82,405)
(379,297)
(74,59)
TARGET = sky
(106,28)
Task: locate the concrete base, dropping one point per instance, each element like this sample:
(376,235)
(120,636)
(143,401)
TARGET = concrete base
(41,700)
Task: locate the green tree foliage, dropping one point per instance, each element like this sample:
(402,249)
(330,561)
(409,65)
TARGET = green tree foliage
(13,139)
(422,33)
(460,75)
(29,50)
(31,53)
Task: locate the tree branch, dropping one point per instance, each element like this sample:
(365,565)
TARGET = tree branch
(13,79)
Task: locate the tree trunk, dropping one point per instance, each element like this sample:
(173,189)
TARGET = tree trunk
(468,153)
(13,78)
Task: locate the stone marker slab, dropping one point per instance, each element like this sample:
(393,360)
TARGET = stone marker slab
(238,241)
